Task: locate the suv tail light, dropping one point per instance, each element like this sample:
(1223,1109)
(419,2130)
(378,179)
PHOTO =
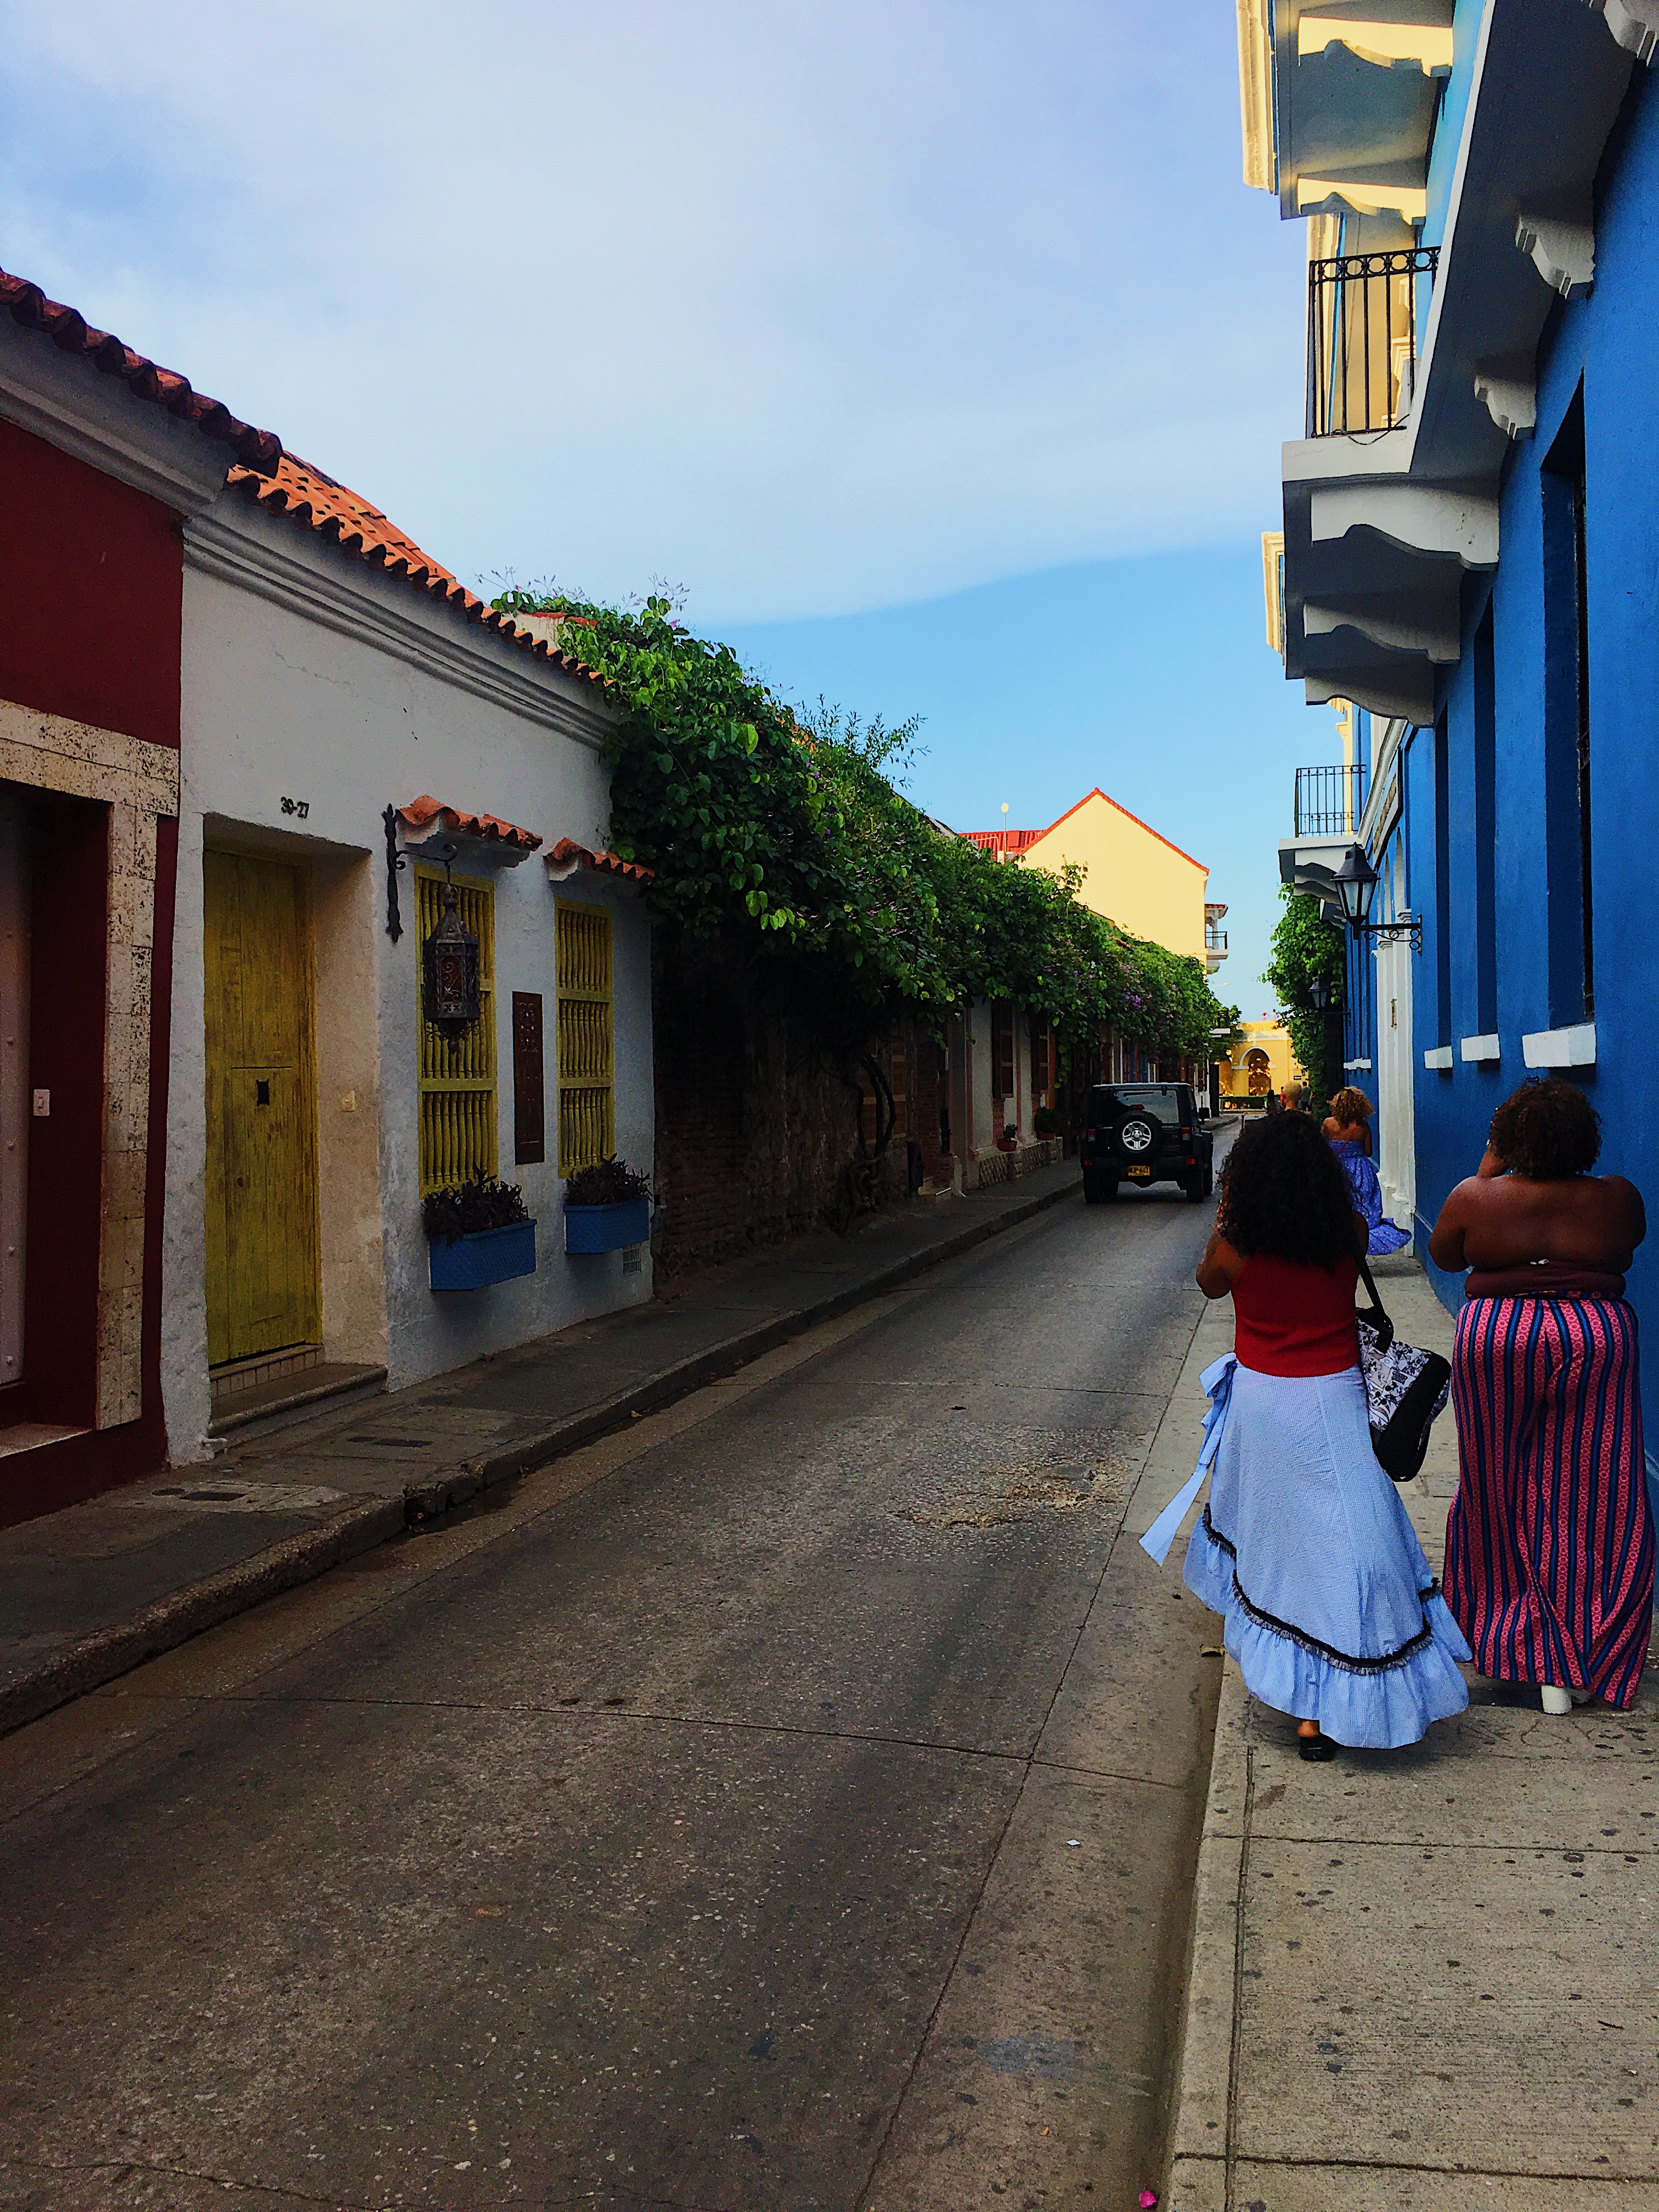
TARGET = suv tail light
(1090,1135)
(1186,1136)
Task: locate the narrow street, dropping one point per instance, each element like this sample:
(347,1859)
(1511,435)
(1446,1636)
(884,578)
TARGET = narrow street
(790,1801)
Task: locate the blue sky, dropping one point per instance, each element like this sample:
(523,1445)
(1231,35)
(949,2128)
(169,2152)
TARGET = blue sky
(933,349)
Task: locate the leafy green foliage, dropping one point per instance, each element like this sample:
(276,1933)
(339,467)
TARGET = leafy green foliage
(609,1182)
(790,828)
(1307,948)
(463,1209)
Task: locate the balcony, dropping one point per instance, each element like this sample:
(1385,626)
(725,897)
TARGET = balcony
(1329,801)
(1362,338)
(1215,940)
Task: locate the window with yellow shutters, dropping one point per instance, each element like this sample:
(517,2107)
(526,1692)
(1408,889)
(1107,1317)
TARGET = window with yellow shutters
(587,1053)
(457,1085)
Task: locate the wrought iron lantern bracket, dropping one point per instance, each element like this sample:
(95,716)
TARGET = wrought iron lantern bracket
(452,993)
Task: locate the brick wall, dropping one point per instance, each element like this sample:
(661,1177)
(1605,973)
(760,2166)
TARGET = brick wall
(755,1118)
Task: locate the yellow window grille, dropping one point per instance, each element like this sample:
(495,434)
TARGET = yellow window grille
(587,1053)
(458,1087)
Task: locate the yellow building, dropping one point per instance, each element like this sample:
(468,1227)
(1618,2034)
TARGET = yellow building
(1131,874)
(1261,1062)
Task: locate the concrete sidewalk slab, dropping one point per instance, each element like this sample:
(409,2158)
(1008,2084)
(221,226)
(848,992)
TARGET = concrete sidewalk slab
(1427,1978)
(90,1592)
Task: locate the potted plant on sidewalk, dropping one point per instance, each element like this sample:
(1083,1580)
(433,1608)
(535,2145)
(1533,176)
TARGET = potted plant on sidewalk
(607,1206)
(478,1233)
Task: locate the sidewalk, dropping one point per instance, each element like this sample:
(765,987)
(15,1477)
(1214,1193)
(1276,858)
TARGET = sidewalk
(1427,1981)
(90,1592)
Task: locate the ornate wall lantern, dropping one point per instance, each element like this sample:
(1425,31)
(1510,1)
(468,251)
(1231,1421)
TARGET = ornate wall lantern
(452,998)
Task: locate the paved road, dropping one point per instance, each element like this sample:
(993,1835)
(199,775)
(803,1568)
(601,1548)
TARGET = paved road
(791,1803)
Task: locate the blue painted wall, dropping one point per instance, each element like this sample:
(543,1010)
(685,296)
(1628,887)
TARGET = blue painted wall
(1607,345)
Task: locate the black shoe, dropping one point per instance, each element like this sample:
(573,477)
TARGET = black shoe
(1315,1748)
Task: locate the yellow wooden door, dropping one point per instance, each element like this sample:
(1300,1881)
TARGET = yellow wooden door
(262,1287)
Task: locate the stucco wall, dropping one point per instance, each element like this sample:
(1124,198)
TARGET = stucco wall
(1610,340)
(1131,874)
(277,706)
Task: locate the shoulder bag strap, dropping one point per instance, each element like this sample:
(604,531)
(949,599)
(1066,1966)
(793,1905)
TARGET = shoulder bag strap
(1379,1315)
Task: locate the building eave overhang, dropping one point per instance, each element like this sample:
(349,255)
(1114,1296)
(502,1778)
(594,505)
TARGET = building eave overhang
(1381,531)
(1355,89)
(66,399)
(266,556)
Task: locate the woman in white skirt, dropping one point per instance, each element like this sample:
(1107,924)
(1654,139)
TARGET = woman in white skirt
(1304,1546)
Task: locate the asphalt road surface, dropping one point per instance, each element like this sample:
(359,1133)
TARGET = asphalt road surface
(790,1803)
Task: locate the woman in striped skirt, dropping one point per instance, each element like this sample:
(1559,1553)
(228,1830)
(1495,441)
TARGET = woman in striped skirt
(1549,1542)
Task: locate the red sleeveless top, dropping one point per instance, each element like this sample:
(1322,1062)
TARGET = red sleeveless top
(1294,1319)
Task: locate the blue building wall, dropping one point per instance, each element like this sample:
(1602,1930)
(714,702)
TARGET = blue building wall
(1521,827)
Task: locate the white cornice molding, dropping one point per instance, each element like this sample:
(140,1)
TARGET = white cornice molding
(66,400)
(357,602)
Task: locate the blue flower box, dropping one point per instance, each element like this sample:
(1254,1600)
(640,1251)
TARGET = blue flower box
(607,1228)
(488,1255)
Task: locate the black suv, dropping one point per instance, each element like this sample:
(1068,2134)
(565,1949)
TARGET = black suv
(1145,1133)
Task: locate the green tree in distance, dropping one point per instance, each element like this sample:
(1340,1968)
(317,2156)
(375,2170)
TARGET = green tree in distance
(1306,949)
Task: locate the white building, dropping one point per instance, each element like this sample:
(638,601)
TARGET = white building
(355,728)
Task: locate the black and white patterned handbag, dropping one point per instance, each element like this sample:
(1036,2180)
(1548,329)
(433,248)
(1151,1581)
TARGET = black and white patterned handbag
(1406,1390)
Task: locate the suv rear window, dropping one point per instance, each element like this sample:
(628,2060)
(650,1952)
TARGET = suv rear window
(1164,1102)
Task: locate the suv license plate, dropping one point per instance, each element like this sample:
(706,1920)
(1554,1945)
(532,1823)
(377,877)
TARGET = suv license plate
(1144,1173)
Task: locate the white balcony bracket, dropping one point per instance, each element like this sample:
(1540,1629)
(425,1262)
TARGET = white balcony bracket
(1569,1048)
(1634,25)
(1509,396)
(1438,1060)
(1562,252)
(1356,1067)
(1483,1051)
(1417,518)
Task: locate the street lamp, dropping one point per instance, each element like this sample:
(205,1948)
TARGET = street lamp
(1320,992)
(1356,882)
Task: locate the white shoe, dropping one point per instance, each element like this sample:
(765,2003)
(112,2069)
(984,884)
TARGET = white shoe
(1555,1701)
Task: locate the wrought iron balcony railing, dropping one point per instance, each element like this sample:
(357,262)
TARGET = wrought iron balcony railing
(1362,338)
(1215,940)
(1329,801)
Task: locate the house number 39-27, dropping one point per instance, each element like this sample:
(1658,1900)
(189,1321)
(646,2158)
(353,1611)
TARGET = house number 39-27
(299,807)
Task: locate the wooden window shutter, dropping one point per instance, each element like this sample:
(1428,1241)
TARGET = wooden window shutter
(529,1097)
(587,1046)
(1002,1049)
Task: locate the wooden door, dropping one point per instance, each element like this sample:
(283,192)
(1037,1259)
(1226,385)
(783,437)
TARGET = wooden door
(261,1286)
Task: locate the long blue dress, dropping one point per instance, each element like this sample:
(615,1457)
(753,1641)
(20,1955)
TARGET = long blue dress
(1306,1551)
(1385,1237)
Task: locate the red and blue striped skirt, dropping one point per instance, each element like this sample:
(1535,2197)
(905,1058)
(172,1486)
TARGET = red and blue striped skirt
(1549,1542)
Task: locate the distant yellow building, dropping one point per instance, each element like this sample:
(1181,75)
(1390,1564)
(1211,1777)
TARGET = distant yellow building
(1261,1062)
(1131,874)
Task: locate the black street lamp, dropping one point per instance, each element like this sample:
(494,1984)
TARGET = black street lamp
(1356,882)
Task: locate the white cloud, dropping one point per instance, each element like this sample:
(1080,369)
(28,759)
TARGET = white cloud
(809,307)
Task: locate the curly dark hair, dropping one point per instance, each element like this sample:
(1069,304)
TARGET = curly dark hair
(1547,1130)
(1284,1195)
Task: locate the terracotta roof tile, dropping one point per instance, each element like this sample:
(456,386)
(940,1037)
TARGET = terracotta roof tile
(567,856)
(259,451)
(320,502)
(433,816)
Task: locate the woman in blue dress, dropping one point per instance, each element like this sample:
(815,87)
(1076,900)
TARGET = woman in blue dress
(1349,1130)
(1304,1546)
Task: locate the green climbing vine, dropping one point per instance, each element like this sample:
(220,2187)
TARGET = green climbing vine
(788,826)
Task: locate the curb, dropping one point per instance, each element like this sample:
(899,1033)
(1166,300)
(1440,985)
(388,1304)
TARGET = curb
(1201,2139)
(173,1619)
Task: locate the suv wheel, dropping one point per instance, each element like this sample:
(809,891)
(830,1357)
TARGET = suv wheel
(1195,1186)
(1098,1187)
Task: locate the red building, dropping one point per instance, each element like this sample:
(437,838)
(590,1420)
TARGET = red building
(102,455)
